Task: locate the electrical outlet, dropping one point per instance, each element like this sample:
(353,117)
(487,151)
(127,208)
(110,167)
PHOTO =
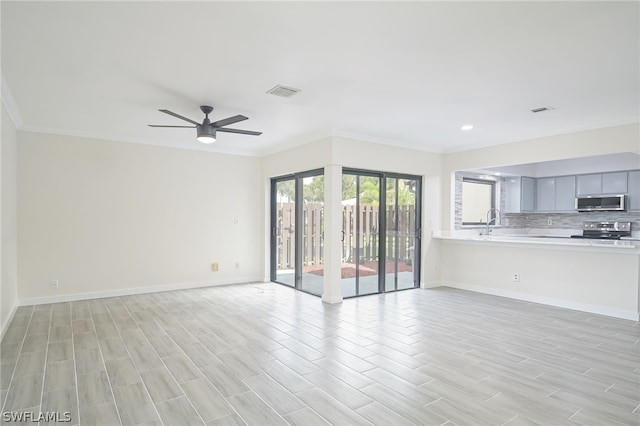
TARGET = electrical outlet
(549,221)
(516,277)
(215,267)
(55,284)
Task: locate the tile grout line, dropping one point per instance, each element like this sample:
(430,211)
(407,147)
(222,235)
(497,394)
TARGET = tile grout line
(508,420)
(46,357)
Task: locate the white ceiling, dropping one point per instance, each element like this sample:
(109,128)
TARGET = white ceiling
(408,74)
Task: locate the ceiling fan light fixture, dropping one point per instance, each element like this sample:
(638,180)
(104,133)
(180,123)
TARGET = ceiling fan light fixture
(206,134)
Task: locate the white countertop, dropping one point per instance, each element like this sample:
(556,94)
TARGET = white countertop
(549,238)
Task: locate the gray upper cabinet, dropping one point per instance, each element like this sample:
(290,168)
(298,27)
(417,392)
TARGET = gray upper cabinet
(528,195)
(565,193)
(558,194)
(634,190)
(519,194)
(545,194)
(512,197)
(602,183)
(589,184)
(614,183)
(555,194)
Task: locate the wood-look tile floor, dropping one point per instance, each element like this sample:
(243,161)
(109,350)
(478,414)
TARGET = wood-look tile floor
(263,354)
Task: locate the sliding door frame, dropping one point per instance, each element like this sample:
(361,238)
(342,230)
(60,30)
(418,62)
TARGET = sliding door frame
(381,227)
(298,225)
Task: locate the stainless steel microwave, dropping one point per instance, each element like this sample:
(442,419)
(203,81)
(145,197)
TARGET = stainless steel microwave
(601,203)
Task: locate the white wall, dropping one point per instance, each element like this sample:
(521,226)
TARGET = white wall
(311,156)
(106,217)
(9,248)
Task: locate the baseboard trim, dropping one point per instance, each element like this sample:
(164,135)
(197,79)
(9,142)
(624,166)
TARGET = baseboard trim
(72,297)
(431,284)
(332,300)
(5,326)
(560,303)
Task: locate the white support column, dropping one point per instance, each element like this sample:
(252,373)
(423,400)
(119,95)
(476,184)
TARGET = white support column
(332,233)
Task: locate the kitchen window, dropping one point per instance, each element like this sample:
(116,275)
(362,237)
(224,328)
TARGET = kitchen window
(478,198)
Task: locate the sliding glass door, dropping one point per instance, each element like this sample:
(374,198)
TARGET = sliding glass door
(297,223)
(284,206)
(402,248)
(380,232)
(361,234)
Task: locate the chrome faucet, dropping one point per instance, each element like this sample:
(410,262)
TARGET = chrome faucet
(493,219)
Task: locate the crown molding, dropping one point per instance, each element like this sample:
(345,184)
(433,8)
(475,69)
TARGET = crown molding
(384,141)
(9,103)
(140,141)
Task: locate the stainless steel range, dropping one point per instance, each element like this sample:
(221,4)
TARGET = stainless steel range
(605,230)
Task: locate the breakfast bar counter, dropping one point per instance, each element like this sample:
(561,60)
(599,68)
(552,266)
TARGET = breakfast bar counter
(549,241)
(544,266)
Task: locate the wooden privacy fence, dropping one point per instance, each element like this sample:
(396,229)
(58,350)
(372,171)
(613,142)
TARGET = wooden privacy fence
(360,240)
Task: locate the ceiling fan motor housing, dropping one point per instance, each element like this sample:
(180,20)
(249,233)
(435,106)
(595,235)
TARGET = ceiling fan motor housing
(206,134)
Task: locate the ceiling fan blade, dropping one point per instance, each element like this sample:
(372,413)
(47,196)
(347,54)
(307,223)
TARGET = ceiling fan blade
(166,111)
(242,132)
(161,125)
(230,120)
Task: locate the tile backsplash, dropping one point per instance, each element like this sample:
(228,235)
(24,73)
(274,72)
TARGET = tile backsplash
(567,220)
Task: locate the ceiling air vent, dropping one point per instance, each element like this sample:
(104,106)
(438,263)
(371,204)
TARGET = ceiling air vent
(283,91)
(541,109)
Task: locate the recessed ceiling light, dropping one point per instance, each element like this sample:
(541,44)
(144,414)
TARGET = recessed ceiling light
(466,127)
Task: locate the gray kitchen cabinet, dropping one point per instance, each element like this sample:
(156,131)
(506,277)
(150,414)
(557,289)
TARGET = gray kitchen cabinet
(634,190)
(614,183)
(555,194)
(589,184)
(519,194)
(545,194)
(565,193)
(528,194)
(512,197)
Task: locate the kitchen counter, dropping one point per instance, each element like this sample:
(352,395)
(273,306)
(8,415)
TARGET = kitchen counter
(551,241)
(544,266)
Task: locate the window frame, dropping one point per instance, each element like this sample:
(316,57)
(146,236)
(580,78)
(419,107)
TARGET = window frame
(492,184)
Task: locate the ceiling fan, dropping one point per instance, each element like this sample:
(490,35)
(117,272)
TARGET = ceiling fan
(207,130)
